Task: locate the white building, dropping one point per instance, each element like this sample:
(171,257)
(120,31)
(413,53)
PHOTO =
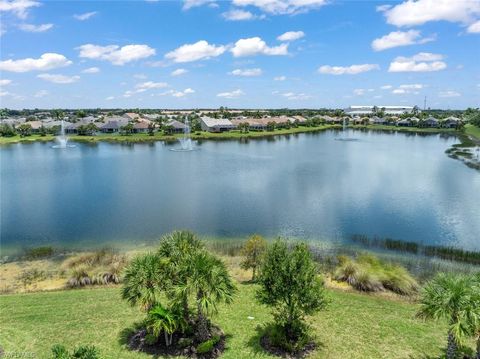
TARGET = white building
(368,110)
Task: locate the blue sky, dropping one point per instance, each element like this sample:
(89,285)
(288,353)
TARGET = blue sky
(239,53)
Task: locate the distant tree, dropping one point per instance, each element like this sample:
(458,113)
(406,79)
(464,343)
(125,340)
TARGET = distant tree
(127,129)
(253,250)
(271,126)
(151,129)
(43,131)
(290,284)
(81,114)
(415,110)
(244,127)
(25,129)
(7,131)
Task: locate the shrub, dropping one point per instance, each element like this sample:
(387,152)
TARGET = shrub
(279,338)
(208,345)
(30,276)
(81,352)
(370,274)
(290,284)
(79,278)
(253,250)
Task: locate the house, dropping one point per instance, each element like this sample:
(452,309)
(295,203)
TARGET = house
(176,126)
(330,119)
(110,127)
(131,116)
(140,127)
(431,122)
(300,119)
(216,124)
(451,122)
(375,120)
(406,122)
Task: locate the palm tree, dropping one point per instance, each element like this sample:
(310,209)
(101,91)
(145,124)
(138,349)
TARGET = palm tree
(475,318)
(449,297)
(144,280)
(164,320)
(211,284)
(178,249)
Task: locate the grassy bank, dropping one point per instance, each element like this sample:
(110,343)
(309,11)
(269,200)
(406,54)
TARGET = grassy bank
(473,131)
(353,326)
(159,136)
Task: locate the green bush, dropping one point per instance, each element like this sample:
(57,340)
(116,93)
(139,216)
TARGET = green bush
(279,337)
(369,274)
(208,345)
(81,352)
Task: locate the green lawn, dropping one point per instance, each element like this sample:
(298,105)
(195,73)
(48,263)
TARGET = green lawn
(473,131)
(353,326)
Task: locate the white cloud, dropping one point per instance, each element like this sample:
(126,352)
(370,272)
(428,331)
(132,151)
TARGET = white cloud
(47,61)
(35,28)
(91,70)
(182,93)
(232,94)
(140,76)
(449,94)
(5,93)
(474,28)
(296,96)
(291,36)
(382,8)
(115,54)
(240,15)
(41,93)
(110,98)
(247,72)
(281,7)
(200,50)
(280,78)
(421,62)
(188,4)
(407,89)
(85,16)
(18,7)
(347,70)
(4,82)
(179,72)
(59,79)
(411,13)
(256,46)
(386,87)
(150,85)
(3,29)
(400,38)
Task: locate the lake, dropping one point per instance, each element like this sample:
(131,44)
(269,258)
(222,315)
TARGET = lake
(398,185)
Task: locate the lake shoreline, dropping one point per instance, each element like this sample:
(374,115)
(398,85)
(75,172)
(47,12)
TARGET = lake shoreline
(145,138)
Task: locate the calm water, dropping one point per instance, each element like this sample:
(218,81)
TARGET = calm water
(397,185)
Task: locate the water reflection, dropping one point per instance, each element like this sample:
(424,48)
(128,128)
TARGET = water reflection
(396,185)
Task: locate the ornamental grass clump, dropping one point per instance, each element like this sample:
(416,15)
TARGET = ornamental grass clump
(367,273)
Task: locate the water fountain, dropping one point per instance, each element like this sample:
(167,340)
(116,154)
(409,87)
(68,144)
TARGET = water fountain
(186,144)
(62,139)
(344,133)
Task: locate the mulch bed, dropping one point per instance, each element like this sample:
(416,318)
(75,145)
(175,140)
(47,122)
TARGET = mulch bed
(270,348)
(137,342)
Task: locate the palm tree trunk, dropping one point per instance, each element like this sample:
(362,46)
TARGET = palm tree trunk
(166,337)
(451,347)
(186,311)
(203,332)
(478,347)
